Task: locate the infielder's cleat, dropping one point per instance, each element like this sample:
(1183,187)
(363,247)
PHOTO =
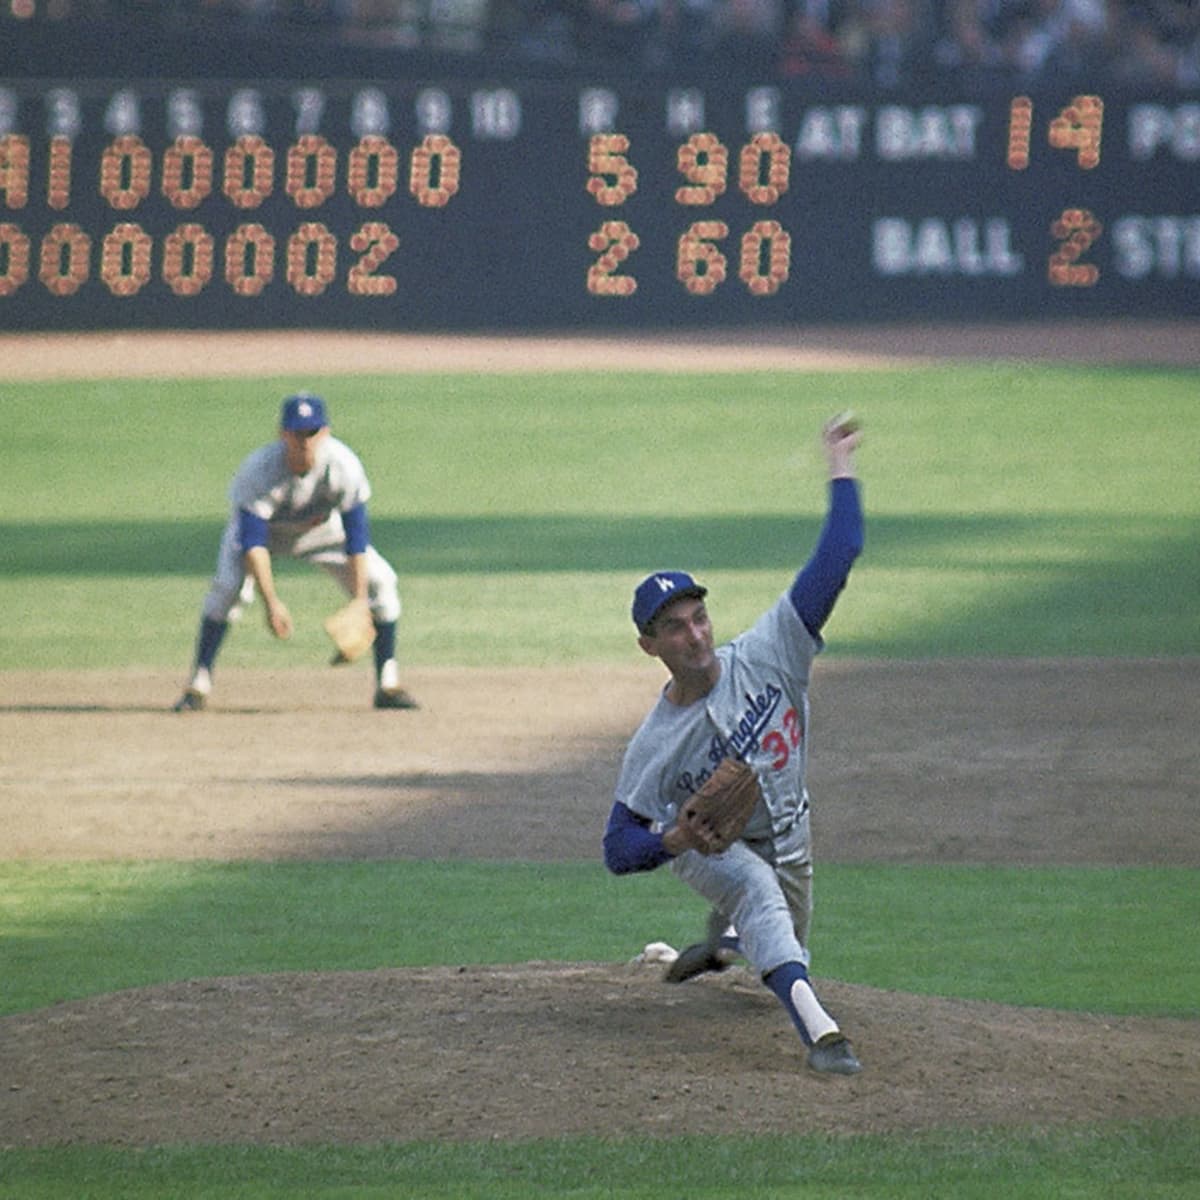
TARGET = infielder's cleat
(695,960)
(191,701)
(394,698)
(833,1055)
(195,695)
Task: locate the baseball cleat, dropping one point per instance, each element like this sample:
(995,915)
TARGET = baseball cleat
(695,960)
(195,695)
(833,1055)
(394,698)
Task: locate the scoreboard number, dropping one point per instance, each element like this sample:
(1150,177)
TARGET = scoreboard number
(1077,127)
(763,170)
(551,203)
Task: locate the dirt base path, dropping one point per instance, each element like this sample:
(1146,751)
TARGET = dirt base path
(1016,761)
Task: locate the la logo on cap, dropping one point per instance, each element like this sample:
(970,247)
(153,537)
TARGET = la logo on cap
(664,584)
(304,408)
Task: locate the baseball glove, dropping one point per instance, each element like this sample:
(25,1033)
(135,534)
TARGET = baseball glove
(716,815)
(352,631)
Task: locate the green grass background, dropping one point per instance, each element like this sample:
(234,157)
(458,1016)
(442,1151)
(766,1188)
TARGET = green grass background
(1012,510)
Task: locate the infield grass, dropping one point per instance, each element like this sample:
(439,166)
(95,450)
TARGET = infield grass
(1150,1161)
(1073,938)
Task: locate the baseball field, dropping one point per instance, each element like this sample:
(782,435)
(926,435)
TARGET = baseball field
(295,946)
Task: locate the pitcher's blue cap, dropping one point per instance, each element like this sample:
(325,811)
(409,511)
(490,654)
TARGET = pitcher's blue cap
(658,590)
(303,412)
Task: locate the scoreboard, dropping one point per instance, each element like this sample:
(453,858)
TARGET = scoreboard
(422,205)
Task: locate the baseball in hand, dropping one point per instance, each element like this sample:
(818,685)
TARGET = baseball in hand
(844,424)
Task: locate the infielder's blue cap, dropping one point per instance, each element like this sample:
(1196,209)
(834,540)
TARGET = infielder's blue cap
(303,412)
(658,590)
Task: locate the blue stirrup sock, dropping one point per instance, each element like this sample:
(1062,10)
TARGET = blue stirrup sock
(790,983)
(212,633)
(385,643)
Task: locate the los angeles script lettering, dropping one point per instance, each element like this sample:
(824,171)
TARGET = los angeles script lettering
(751,733)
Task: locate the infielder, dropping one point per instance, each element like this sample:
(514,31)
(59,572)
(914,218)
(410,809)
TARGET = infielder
(746,700)
(305,495)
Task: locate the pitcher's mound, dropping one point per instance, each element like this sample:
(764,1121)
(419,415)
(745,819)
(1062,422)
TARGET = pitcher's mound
(545,1049)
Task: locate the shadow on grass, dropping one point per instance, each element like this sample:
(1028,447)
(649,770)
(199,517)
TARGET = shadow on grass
(1064,583)
(529,544)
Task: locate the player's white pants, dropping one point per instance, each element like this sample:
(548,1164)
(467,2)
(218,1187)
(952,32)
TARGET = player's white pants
(323,545)
(770,905)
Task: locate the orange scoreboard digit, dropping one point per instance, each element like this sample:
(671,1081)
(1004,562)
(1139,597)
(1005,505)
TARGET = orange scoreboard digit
(552,204)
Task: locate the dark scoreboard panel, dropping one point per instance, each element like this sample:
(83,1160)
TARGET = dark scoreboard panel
(526,204)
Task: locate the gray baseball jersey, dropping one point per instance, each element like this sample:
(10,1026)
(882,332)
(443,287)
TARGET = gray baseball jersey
(758,712)
(294,505)
(304,519)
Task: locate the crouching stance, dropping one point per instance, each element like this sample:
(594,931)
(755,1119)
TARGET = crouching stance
(304,495)
(746,700)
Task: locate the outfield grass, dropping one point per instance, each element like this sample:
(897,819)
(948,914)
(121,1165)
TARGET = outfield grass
(1011,510)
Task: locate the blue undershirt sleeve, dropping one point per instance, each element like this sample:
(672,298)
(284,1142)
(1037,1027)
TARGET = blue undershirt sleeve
(358,529)
(821,580)
(252,529)
(630,844)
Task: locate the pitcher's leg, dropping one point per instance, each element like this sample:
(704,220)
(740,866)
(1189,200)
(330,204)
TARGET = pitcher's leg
(748,888)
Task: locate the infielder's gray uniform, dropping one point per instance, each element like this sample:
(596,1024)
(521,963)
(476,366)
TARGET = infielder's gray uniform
(757,711)
(304,496)
(304,517)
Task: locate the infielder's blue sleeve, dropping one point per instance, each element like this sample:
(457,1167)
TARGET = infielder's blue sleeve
(358,529)
(252,530)
(821,580)
(630,844)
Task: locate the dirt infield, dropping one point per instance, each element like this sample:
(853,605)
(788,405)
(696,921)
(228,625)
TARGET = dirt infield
(1077,761)
(1012,762)
(814,348)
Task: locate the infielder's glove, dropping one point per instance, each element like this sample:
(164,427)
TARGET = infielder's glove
(352,631)
(716,815)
